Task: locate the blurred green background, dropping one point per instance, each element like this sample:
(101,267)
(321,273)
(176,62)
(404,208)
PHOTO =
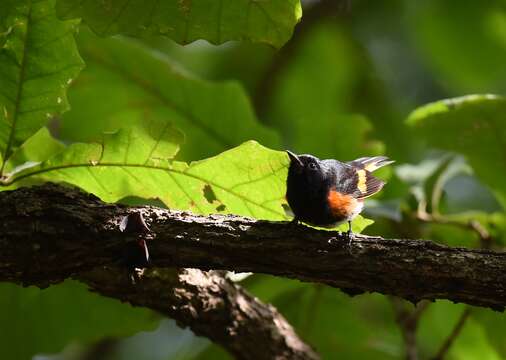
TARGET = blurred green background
(353,80)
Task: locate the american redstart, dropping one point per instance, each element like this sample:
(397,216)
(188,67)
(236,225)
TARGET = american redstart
(328,192)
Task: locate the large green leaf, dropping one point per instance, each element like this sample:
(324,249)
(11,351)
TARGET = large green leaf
(247,180)
(474,126)
(268,21)
(38,60)
(44,321)
(146,85)
(39,147)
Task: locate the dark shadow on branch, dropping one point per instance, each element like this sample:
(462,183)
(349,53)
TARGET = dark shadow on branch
(210,305)
(50,233)
(57,224)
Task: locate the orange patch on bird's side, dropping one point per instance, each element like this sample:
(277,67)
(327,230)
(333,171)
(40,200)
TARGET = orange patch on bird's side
(341,205)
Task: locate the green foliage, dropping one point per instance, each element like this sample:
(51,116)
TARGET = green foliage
(494,325)
(327,319)
(473,126)
(360,328)
(44,321)
(312,106)
(268,21)
(143,126)
(248,180)
(142,85)
(448,44)
(37,148)
(437,324)
(38,60)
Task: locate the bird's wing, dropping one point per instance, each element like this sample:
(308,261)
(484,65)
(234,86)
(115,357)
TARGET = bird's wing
(364,183)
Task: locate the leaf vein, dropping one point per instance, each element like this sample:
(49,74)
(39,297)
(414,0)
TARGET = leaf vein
(19,93)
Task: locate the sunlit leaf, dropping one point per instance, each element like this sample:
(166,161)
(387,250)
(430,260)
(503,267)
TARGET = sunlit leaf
(39,147)
(38,60)
(247,180)
(268,21)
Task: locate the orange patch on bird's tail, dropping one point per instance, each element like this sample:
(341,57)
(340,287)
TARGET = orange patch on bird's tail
(341,205)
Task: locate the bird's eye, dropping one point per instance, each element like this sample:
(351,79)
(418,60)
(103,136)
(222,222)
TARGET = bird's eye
(312,166)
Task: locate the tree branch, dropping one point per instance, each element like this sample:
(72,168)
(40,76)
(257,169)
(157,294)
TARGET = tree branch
(49,233)
(210,305)
(207,302)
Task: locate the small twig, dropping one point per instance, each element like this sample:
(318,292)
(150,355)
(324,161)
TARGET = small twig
(408,323)
(453,335)
(49,233)
(420,308)
(486,239)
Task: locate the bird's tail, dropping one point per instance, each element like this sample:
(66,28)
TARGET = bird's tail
(371,163)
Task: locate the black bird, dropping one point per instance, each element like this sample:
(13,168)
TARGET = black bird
(329,192)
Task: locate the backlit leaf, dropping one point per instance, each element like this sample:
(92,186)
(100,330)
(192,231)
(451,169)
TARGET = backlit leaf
(38,60)
(268,21)
(247,180)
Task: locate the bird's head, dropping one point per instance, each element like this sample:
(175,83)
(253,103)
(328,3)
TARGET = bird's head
(306,170)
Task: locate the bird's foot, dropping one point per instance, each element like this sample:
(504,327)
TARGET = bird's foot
(350,236)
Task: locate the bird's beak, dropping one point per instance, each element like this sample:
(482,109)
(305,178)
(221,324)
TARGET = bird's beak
(295,159)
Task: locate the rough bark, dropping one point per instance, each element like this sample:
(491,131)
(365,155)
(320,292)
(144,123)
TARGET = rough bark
(49,233)
(35,224)
(211,306)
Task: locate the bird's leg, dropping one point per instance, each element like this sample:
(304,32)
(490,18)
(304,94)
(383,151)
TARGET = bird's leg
(349,234)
